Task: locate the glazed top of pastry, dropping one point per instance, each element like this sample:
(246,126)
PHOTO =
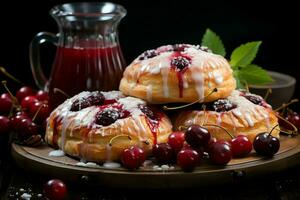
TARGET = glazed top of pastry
(180,57)
(241,104)
(101,109)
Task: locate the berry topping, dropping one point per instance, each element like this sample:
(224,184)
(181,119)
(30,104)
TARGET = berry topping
(96,98)
(148,112)
(148,54)
(180,62)
(107,116)
(258,100)
(223,105)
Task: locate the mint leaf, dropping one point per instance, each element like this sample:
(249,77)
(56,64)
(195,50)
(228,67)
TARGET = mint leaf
(244,54)
(238,79)
(213,42)
(253,74)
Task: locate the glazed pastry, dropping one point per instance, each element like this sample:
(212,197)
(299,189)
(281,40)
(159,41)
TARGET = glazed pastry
(97,126)
(239,113)
(178,73)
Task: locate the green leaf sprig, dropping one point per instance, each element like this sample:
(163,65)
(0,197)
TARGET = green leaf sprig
(244,71)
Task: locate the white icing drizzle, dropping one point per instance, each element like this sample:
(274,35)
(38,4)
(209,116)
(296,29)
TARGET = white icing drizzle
(249,119)
(185,82)
(165,73)
(56,153)
(233,122)
(218,77)
(111,165)
(237,112)
(149,93)
(88,164)
(199,84)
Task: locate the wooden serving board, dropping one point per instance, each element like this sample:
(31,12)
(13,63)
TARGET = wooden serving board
(37,160)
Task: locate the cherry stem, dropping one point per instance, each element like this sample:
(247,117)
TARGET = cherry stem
(37,112)
(205,114)
(117,136)
(182,128)
(289,123)
(15,100)
(269,91)
(3,71)
(146,142)
(232,137)
(284,105)
(273,129)
(60,91)
(186,105)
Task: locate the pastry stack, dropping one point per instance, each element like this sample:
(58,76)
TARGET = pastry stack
(97,126)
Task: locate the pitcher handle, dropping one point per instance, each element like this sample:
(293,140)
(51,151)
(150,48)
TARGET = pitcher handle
(34,56)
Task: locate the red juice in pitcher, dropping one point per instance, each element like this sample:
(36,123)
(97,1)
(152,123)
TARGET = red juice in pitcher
(81,69)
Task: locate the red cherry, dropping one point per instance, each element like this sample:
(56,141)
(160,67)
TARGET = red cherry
(16,120)
(5,125)
(294,118)
(42,111)
(210,142)
(176,140)
(133,157)
(188,159)
(28,101)
(220,153)
(24,92)
(55,190)
(163,153)
(42,95)
(26,129)
(241,146)
(197,136)
(266,145)
(5,103)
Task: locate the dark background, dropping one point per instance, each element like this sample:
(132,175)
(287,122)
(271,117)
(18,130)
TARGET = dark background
(149,24)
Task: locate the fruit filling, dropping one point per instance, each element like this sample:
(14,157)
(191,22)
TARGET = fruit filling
(96,98)
(222,105)
(180,62)
(109,114)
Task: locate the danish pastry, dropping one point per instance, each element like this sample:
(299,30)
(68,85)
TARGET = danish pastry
(239,113)
(178,73)
(98,126)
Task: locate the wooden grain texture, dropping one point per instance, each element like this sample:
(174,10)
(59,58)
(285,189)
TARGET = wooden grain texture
(37,160)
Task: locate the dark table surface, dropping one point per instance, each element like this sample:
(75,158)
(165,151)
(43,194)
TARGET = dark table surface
(283,185)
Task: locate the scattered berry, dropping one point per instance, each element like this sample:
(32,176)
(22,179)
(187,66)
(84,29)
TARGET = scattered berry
(26,128)
(163,153)
(188,159)
(220,153)
(27,102)
(133,157)
(42,95)
(294,118)
(241,146)
(266,145)
(5,125)
(55,190)
(40,110)
(176,140)
(5,103)
(24,92)
(197,136)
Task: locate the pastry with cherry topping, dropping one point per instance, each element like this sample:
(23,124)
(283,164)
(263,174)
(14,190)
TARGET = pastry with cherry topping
(178,73)
(92,126)
(239,113)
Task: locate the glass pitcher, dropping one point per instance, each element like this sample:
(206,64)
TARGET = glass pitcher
(88,55)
